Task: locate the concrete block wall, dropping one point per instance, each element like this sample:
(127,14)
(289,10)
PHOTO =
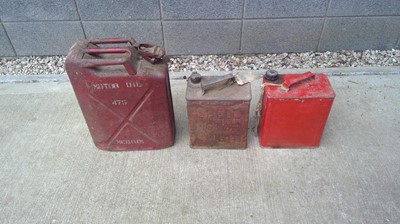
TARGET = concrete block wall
(48,27)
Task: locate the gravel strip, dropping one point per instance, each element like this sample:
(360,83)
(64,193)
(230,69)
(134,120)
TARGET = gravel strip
(55,64)
(32,65)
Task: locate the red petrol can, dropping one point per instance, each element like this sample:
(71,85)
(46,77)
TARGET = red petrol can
(294,110)
(218,112)
(124,93)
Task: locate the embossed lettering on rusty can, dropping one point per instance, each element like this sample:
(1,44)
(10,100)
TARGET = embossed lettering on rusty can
(124,93)
(218,112)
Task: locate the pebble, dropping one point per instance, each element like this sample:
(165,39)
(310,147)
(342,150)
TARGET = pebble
(55,64)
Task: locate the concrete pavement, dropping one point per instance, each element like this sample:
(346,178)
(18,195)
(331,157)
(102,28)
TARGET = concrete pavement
(50,171)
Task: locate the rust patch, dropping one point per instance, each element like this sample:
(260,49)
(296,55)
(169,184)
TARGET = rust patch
(218,118)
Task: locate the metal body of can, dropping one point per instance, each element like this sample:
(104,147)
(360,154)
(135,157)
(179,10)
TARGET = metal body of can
(218,116)
(294,110)
(124,93)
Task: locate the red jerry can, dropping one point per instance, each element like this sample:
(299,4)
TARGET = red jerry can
(294,109)
(124,93)
(218,112)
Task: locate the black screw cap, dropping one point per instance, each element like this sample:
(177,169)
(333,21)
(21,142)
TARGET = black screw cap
(195,77)
(271,75)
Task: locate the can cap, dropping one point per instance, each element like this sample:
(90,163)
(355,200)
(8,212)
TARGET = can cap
(271,75)
(195,77)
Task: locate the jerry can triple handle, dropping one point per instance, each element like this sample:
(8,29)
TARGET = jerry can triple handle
(114,41)
(125,61)
(106,51)
(290,82)
(151,53)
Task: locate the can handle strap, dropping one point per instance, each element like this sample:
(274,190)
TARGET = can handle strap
(151,53)
(299,78)
(125,61)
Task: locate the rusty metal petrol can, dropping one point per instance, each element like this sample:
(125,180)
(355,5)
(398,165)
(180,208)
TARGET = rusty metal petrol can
(218,112)
(294,110)
(124,93)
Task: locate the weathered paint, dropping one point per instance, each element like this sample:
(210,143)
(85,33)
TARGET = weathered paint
(294,114)
(218,117)
(124,97)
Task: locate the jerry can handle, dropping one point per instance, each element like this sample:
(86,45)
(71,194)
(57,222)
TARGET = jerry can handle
(125,61)
(150,52)
(290,82)
(131,41)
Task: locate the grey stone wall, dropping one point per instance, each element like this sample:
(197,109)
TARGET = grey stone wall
(50,27)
